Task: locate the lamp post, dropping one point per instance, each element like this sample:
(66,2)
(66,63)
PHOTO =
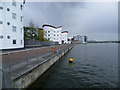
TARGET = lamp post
(33,37)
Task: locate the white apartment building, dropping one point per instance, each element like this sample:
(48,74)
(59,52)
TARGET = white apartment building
(64,37)
(69,39)
(11,24)
(52,33)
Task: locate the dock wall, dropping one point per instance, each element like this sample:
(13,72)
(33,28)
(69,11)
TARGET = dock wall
(32,75)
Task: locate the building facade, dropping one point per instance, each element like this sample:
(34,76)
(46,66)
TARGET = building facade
(52,33)
(11,24)
(80,39)
(64,37)
(84,39)
(40,34)
(69,39)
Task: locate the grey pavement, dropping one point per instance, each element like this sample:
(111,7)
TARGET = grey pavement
(11,72)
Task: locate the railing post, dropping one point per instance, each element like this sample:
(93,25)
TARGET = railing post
(9,62)
(44,51)
(3,78)
(27,57)
(38,54)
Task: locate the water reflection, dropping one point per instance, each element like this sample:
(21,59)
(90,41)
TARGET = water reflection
(71,64)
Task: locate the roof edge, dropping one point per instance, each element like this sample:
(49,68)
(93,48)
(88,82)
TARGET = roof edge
(51,26)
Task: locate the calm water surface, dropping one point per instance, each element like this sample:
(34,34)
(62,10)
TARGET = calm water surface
(95,66)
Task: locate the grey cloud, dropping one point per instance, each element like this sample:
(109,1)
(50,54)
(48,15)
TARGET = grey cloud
(78,18)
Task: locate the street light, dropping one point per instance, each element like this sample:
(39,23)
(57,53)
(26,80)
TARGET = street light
(33,36)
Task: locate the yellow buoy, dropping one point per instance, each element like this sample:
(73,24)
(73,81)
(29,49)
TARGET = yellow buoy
(70,60)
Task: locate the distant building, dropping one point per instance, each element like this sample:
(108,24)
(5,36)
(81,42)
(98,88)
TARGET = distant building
(80,39)
(75,38)
(52,33)
(11,24)
(84,39)
(64,37)
(69,39)
(40,34)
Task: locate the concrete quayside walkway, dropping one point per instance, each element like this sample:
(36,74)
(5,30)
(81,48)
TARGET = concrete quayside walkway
(18,65)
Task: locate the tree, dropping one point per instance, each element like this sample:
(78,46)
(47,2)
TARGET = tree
(26,33)
(31,32)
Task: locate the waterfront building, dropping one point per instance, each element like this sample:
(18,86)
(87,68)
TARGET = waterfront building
(75,38)
(64,37)
(40,34)
(52,33)
(80,39)
(11,24)
(84,39)
(69,39)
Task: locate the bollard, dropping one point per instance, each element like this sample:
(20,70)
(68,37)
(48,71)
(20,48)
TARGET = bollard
(70,60)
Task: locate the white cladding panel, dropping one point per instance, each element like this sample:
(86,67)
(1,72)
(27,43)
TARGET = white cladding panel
(12,38)
(53,34)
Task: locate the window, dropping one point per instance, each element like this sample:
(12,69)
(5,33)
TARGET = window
(8,23)
(14,3)
(54,34)
(1,22)
(21,7)
(54,31)
(1,8)
(1,37)
(14,41)
(21,41)
(13,15)
(8,9)
(48,34)
(48,31)
(8,37)
(14,28)
(21,18)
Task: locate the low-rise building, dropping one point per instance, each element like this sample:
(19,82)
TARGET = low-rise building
(52,33)
(80,39)
(64,37)
(69,39)
(40,34)
(84,39)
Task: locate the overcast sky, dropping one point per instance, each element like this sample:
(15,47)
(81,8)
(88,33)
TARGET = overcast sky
(97,20)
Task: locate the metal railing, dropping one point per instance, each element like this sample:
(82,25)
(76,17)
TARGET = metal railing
(28,58)
(24,57)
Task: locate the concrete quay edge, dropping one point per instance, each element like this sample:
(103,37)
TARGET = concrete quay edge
(29,77)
